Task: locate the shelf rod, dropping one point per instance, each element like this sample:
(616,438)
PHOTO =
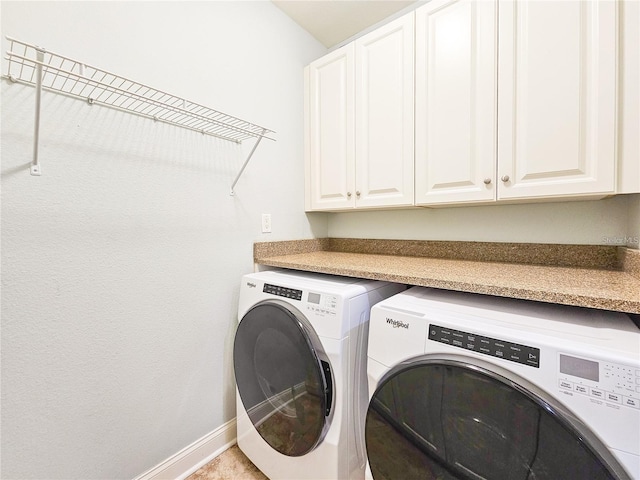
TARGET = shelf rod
(247,160)
(35,166)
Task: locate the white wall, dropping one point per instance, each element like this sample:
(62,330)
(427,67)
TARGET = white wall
(597,222)
(633,232)
(121,263)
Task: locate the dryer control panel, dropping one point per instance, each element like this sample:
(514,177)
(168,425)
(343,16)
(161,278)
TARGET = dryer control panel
(495,347)
(602,381)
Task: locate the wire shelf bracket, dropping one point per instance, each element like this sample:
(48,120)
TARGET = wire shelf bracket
(32,65)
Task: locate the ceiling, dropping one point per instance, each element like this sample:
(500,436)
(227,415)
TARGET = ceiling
(334,21)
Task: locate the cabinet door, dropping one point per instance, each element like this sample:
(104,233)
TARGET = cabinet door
(456,68)
(384,115)
(629,99)
(330,151)
(556,98)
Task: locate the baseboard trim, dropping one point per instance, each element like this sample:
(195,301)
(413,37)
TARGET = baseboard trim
(191,458)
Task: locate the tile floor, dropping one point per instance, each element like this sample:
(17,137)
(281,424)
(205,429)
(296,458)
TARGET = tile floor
(231,465)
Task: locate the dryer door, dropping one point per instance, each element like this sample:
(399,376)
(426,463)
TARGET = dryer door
(283,377)
(457,418)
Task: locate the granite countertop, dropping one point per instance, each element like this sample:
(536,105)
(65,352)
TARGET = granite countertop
(595,276)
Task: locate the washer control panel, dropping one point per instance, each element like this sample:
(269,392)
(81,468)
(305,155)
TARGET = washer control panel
(514,352)
(282,291)
(601,381)
(317,303)
(322,304)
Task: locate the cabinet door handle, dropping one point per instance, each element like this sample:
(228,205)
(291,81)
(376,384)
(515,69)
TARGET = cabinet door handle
(357,193)
(505,178)
(487,181)
(348,194)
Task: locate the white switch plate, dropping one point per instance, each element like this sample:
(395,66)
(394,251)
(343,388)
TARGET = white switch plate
(266,223)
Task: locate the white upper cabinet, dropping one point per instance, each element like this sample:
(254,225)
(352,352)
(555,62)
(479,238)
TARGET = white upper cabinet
(329,118)
(467,101)
(553,89)
(629,98)
(359,145)
(384,115)
(456,64)
(556,98)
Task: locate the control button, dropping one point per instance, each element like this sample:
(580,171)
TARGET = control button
(638,381)
(582,389)
(631,402)
(523,354)
(597,393)
(613,397)
(566,385)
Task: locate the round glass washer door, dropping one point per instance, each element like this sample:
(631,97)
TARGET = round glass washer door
(449,419)
(283,377)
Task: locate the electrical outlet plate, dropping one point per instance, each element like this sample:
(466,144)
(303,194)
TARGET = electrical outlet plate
(266,223)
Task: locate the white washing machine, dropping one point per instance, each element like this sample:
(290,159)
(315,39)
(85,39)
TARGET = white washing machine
(300,365)
(477,387)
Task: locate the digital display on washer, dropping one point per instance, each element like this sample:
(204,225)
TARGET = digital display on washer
(314,298)
(579,367)
(513,352)
(282,291)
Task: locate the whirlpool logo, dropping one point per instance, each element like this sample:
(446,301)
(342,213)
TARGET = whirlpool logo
(397,323)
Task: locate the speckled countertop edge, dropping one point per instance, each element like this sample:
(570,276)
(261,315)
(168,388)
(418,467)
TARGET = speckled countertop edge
(629,260)
(600,277)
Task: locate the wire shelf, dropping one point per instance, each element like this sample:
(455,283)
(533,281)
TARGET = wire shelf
(97,86)
(33,65)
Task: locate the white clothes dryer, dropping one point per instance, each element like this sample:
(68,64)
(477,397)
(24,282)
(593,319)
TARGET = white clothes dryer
(300,366)
(466,386)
